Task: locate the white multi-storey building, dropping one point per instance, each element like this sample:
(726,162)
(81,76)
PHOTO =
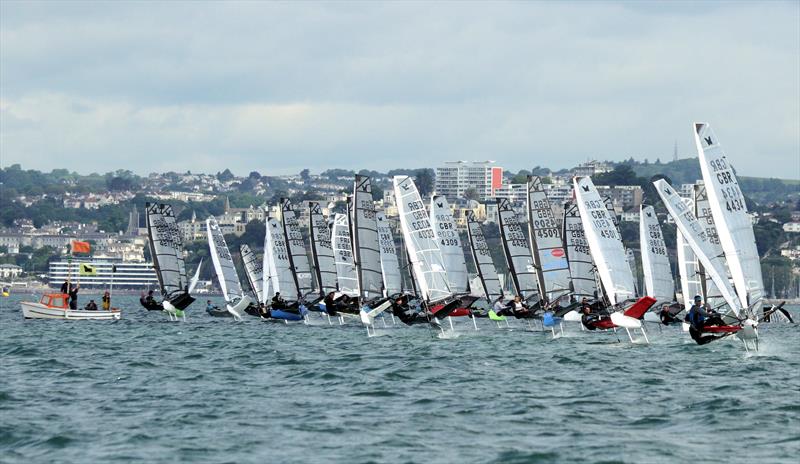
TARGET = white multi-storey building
(127,275)
(456,177)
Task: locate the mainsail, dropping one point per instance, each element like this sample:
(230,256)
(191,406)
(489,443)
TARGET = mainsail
(367,254)
(658,282)
(734,226)
(696,236)
(280,277)
(517,252)
(301,268)
(605,243)
(581,266)
(420,241)
(321,249)
(390,263)
(483,260)
(545,240)
(450,244)
(343,256)
(166,249)
(254,271)
(223,262)
(702,211)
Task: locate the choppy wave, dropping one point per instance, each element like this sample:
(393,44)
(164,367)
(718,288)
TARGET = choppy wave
(211,390)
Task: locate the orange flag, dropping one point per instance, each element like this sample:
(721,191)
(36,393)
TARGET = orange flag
(80,247)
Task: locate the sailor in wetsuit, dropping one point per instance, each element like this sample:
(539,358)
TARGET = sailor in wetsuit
(500,307)
(667,315)
(700,318)
(519,309)
(278,301)
(330,303)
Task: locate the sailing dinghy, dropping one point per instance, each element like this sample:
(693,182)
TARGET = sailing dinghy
(367,254)
(733,222)
(166,250)
(583,273)
(254,271)
(235,300)
(519,258)
(610,258)
(455,265)
(279,278)
(426,259)
(487,272)
(739,320)
(323,260)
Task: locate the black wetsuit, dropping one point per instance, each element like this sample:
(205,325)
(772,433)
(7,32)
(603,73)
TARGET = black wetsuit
(698,319)
(73,298)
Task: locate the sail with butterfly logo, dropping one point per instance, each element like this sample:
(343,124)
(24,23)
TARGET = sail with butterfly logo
(605,243)
(420,241)
(733,223)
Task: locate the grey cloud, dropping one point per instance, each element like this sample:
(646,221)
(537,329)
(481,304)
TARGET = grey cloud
(385,85)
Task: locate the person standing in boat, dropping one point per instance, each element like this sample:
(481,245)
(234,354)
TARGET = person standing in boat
(73,296)
(106,301)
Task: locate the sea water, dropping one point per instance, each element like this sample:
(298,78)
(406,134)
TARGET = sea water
(144,389)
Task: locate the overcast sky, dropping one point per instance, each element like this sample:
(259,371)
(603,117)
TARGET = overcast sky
(278,87)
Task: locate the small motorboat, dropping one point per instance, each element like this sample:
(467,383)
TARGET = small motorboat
(55,306)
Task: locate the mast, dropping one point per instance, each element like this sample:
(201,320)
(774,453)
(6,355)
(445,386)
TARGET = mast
(286,207)
(483,259)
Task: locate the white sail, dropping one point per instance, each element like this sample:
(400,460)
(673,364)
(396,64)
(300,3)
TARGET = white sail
(254,271)
(223,262)
(581,266)
(695,235)
(658,281)
(605,243)
(420,241)
(702,211)
(166,249)
(343,256)
(390,263)
(487,272)
(687,268)
(450,244)
(280,275)
(517,251)
(298,257)
(366,251)
(733,223)
(545,240)
(321,249)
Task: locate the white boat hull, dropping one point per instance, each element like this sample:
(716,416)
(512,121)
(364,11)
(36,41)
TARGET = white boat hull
(40,311)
